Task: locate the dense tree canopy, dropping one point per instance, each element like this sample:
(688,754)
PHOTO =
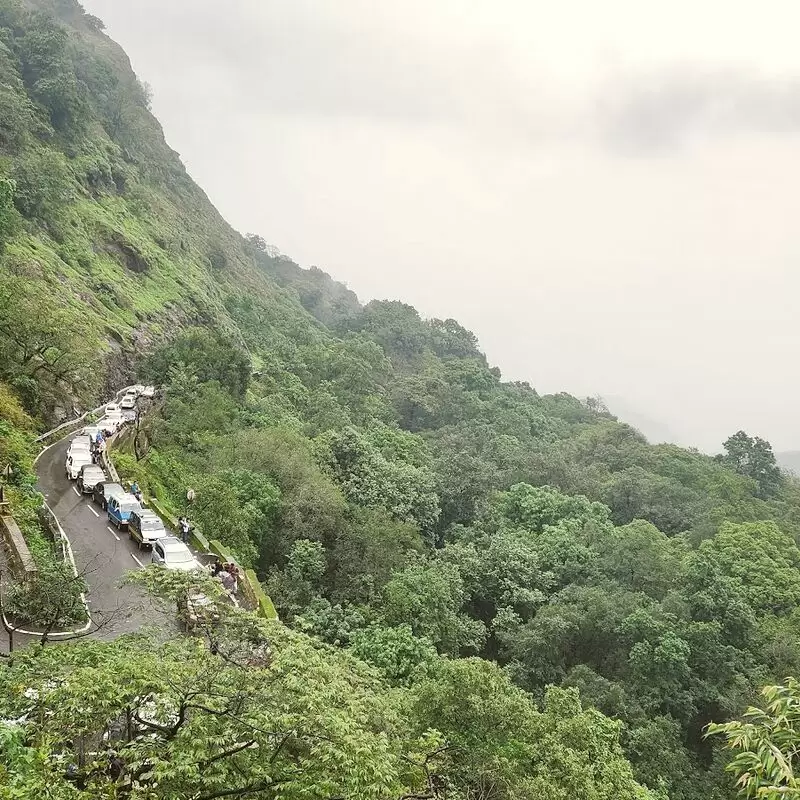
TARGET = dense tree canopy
(550,606)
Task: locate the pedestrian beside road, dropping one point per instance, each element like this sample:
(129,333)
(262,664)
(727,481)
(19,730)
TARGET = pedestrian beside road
(185,528)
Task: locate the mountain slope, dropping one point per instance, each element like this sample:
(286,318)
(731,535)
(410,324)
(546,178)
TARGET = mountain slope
(106,225)
(401,500)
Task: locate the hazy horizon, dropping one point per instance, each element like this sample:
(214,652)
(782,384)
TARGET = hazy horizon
(602,194)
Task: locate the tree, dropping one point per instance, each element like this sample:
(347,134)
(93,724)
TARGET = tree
(395,651)
(44,184)
(753,457)
(52,600)
(209,355)
(300,581)
(501,571)
(766,744)
(501,745)
(381,477)
(192,408)
(257,242)
(429,596)
(8,217)
(184,722)
(46,350)
(367,551)
(239,508)
(534,508)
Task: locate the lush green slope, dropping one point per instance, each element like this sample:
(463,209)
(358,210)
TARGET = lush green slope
(104,223)
(399,498)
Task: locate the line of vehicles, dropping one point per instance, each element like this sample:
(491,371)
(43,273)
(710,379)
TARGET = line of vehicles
(123,509)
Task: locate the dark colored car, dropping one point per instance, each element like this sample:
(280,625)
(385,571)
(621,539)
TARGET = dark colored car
(89,476)
(104,490)
(145,527)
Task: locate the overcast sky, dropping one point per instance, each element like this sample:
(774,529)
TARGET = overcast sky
(606,193)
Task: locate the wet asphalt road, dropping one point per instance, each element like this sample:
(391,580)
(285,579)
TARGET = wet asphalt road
(102,554)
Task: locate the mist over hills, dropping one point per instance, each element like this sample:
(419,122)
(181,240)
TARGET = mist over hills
(484,590)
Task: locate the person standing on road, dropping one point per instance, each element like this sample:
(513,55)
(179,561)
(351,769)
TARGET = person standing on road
(183,524)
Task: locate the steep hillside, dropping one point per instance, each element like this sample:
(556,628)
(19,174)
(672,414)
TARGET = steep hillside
(105,233)
(401,501)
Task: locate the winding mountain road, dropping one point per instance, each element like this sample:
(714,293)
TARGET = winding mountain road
(103,555)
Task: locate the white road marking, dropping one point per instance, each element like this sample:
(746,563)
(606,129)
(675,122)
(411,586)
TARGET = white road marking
(112,532)
(76,491)
(93,511)
(137,560)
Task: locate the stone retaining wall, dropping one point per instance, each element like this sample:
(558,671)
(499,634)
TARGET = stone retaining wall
(19,556)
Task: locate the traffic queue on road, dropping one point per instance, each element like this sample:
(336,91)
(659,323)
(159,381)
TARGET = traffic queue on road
(126,510)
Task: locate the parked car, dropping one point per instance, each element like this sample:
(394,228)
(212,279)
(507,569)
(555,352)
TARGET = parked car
(112,422)
(79,443)
(128,402)
(136,390)
(112,408)
(120,507)
(92,431)
(104,491)
(145,527)
(76,460)
(149,392)
(172,553)
(89,476)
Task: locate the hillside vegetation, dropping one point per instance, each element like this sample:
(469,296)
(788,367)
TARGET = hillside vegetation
(472,541)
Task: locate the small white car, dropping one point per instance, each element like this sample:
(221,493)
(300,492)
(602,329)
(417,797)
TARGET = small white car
(112,408)
(149,392)
(92,431)
(112,422)
(82,442)
(136,390)
(80,458)
(81,449)
(172,553)
(128,402)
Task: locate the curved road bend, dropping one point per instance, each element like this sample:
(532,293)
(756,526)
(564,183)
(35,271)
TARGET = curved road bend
(101,553)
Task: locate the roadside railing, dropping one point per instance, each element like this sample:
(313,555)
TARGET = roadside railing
(62,430)
(249,585)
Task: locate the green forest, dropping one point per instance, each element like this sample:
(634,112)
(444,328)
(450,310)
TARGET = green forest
(485,593)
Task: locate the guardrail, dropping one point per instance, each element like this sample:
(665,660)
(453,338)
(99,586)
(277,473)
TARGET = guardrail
(250,586)
(64,425)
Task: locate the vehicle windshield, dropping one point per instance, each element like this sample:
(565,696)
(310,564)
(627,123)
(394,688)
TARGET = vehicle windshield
(127,508)
(150,524)
(181,556)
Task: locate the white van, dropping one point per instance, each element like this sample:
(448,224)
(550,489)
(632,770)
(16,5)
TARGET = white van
(74,462)
(92,431)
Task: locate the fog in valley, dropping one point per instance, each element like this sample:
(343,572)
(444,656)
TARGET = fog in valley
(605,193)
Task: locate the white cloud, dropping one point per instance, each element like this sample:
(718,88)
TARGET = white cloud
(605,192)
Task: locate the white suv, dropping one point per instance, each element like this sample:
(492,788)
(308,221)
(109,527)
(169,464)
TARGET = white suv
(172,553)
